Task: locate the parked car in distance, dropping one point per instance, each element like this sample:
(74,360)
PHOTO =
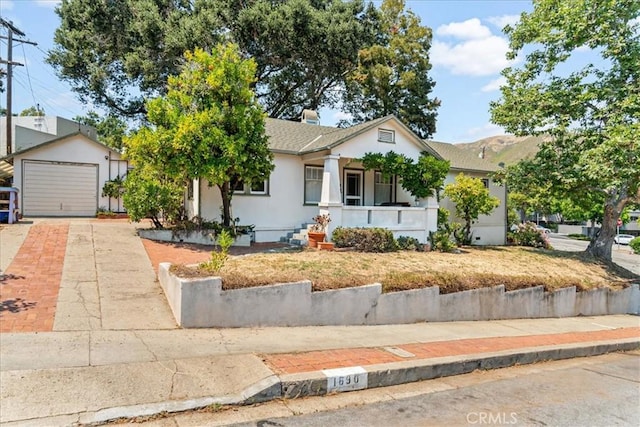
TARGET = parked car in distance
(623,239)
(543,229)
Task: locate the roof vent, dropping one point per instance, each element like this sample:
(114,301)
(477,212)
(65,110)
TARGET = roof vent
(310,117)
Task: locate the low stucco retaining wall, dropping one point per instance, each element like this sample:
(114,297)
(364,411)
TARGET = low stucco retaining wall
(202,237)
(199,303)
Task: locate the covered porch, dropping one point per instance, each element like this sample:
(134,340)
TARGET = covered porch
(354,197)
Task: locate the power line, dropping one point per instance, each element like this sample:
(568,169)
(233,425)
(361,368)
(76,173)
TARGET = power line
(26,67)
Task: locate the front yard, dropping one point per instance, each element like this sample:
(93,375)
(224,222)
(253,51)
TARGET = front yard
(513,267)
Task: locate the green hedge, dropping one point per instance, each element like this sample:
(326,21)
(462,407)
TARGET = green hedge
(365,239)
(635,245)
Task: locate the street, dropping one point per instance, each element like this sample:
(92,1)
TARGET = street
(622,254)
(579,392)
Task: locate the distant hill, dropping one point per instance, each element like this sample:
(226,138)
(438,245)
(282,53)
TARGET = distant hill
(507,149)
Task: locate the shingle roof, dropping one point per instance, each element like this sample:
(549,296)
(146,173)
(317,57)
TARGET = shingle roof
(301,138)
(461,159)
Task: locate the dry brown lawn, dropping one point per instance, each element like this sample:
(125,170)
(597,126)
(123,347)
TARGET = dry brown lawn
(513,267)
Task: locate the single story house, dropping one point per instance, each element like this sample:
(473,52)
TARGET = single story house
(317,171)
(64,175)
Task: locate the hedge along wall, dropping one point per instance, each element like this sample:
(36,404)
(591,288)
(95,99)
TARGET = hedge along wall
(200,303)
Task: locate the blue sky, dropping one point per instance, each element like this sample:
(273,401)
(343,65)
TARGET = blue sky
(468,54)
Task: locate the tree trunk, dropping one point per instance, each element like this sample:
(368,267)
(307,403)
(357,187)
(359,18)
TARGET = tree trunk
(226,194)
(601,243)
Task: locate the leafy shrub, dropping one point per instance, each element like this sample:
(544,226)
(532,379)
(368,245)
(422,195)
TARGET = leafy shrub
(218,258)
(365,239)
(441,240)
(407,243)
(635,245)
(528,235)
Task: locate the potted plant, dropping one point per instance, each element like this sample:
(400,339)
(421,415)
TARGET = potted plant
(318,230)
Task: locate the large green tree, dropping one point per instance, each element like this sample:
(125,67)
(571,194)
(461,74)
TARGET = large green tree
(208,125)
(472,199)
(118,53)
(303,48)
(309,53)
(392,76)
(592,112)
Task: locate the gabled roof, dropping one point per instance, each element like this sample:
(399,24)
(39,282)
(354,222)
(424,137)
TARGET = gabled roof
(461,159)
(10,157)
(302,138)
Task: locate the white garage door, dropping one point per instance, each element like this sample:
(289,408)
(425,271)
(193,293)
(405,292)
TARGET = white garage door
(59,189)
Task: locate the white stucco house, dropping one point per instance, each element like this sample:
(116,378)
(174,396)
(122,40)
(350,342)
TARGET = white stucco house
(60,175)
(316,171)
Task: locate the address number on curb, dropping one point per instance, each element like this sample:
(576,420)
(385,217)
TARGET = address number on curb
(346,379)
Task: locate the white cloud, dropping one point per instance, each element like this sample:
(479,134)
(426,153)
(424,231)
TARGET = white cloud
(480,57)
(503,20)
(48,3)
(477,52)
(484,131)
(467,30)
(494,84)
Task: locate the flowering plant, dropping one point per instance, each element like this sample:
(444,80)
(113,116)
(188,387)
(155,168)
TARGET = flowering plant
(321,222)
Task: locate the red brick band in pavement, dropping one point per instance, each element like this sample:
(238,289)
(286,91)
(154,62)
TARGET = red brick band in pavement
(329,359)
(29,295)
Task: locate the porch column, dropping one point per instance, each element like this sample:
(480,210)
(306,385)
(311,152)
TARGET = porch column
(331,182)
(331,199)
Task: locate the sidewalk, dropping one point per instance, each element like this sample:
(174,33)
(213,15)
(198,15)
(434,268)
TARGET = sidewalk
(113,349)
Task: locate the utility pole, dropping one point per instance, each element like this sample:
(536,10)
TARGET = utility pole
(11,29)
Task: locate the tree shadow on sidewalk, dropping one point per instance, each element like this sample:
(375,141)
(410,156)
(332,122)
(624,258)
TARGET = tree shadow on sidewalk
(16,305)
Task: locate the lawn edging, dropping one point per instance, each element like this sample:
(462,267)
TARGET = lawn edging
(202,303)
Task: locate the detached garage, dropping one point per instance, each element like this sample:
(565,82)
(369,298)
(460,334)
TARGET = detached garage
(64,176)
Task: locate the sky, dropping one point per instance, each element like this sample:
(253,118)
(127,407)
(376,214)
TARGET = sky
(468,53)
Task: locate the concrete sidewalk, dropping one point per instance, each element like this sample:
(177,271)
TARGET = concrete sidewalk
(61,378)
(88,337)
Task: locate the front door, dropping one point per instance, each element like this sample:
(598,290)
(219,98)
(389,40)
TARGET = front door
(353,193)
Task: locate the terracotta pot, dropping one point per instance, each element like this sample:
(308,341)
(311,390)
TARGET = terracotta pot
(326,246)
(315,237)
(312,243)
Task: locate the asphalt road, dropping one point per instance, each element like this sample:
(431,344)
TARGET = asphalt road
(595,391)
(622,254)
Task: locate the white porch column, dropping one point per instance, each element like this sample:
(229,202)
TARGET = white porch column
(331,182)
(432,216)
(331,199)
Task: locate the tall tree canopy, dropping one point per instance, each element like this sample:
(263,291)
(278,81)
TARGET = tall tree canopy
(208,125)
(392,74)
(309,53)
(302,47)
(592,112)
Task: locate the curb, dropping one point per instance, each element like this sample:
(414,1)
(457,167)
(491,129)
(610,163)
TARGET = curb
(317,383)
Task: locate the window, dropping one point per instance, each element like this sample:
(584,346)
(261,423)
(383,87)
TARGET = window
(239,187)
(485,182)
(257,188)
(312,184)
(388,136)
(383,189)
